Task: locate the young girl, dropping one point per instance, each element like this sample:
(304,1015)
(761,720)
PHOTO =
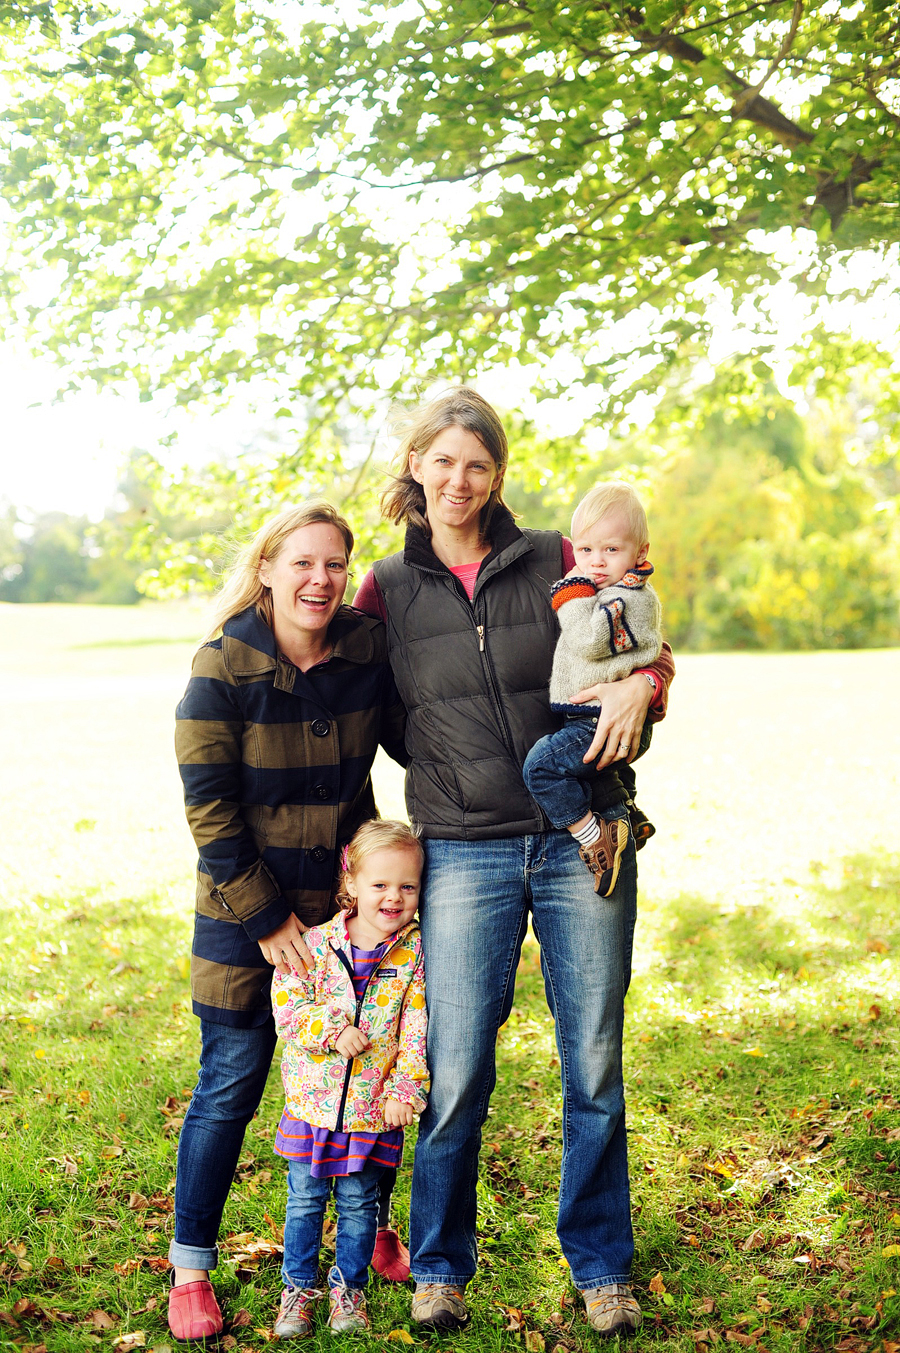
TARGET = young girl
(354,1070)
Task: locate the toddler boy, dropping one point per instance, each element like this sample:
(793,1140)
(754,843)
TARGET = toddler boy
(609,619)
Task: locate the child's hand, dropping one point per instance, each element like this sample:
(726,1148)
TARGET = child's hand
(351,1042)
(397,1114)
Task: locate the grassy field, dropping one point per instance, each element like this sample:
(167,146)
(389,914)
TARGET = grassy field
(762,1057)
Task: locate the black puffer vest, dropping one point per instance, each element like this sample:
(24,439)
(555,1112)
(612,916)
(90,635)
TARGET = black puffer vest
(474,677)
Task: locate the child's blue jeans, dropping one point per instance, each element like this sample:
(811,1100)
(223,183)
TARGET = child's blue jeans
(557,776)
(356,1197)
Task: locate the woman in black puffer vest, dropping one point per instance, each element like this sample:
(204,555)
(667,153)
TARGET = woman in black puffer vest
(471,634)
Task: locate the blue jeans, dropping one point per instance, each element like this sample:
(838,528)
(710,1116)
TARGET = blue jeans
(556,775)
(474,916)
(234,1064)
(356,1198)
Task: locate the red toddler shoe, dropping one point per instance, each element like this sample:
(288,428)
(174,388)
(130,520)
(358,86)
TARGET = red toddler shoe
(194,1312)
(390,1257)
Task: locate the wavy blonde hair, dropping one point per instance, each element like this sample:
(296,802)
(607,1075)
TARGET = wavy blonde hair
(242,585)
(459,407)
(379,834)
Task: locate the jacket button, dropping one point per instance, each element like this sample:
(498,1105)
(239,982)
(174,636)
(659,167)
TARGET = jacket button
(319,853)
(321,728)
(322,792)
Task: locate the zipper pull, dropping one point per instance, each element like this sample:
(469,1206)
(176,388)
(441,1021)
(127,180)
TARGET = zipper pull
(480,629)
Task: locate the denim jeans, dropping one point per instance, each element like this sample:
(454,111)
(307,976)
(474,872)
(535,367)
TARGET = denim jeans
(557,776)
(356,1199)
(474,916)
(234,1064)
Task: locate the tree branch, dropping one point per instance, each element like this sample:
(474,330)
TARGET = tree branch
(744,100)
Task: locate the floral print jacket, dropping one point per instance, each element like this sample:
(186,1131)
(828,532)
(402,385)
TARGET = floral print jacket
(321,1086)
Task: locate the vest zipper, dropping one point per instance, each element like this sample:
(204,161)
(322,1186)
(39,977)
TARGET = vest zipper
(359,1005)
(488,665)
(495,692)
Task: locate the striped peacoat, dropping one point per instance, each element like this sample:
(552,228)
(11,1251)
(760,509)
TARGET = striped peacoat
(275,764)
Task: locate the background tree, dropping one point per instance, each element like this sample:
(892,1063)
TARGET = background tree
(338,206)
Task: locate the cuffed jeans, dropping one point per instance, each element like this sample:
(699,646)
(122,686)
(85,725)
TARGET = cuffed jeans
(477,898)
(356,1200)
(234,1064)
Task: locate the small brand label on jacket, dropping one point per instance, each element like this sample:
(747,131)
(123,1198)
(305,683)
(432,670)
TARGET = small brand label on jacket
(387,972)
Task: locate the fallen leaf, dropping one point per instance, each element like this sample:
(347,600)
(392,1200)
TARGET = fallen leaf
(242,1319)
(753,1052)
(137,1202)
(890,1251)
(228,1341)
(401,1337)
(101,1321)
(534,1342)
(110,1153)
(705,1336)
(657,1286)
(125,1342)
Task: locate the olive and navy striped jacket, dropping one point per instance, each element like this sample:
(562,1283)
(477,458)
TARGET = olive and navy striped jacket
(275,764)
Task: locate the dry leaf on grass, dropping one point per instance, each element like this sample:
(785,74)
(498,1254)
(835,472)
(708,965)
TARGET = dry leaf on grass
(125,1342)
(101,1321)
(228,1341)
(401,1337)
(534,1341)
(242,1319)
(657,1286)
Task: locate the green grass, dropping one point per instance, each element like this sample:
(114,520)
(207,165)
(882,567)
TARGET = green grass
(762,1028)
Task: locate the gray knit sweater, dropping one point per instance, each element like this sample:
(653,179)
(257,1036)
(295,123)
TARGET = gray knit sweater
(605,634)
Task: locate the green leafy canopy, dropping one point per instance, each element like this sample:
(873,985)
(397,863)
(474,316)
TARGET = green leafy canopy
(350,199)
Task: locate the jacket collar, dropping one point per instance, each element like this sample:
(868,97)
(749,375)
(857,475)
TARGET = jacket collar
(336,931)
(507,543)
(249,648)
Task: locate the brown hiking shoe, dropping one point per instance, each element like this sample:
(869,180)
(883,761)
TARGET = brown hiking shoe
(439,1306)
(641,826)
(604,857)
(611,1310)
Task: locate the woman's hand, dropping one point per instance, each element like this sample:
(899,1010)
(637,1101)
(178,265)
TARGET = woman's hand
(625,704)
(285,948)
(351,1042)
(397,1114)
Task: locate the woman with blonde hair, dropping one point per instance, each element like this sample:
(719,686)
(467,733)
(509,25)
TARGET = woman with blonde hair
(471,635)
(289,698)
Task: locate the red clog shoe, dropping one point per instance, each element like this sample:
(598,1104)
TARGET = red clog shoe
(194,1312)
(390,1257)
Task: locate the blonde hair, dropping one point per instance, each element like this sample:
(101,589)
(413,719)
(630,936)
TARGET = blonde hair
(458,407)
(616,497)
(379,834)
(242,585)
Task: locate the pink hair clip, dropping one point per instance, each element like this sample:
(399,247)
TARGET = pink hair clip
(345,859)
